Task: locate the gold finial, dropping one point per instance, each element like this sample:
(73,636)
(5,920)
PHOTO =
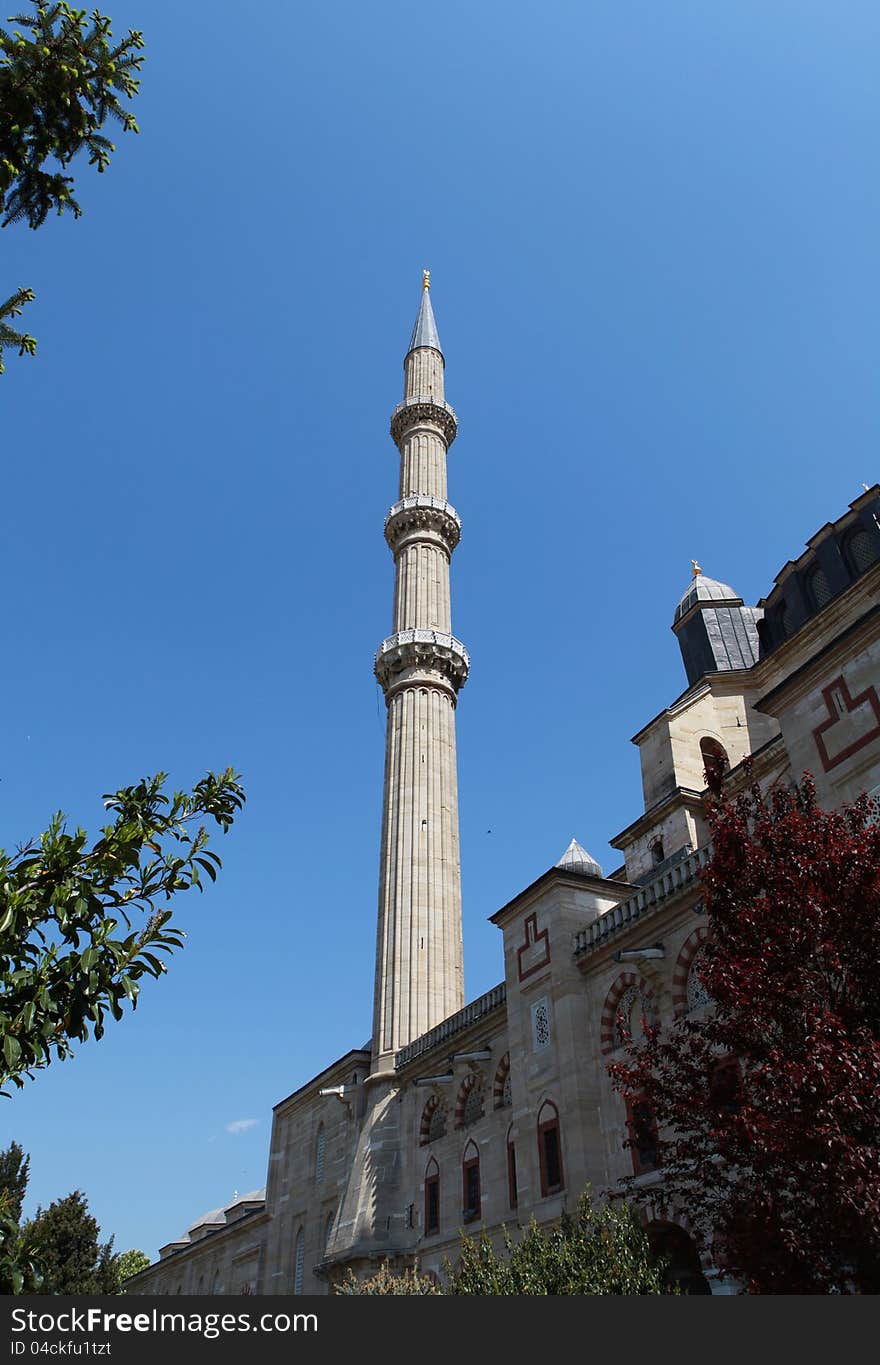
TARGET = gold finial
(426,279)
(696,568)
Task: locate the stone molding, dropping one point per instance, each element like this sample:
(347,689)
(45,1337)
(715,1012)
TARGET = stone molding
(423,517)
(415,657)
(420,410)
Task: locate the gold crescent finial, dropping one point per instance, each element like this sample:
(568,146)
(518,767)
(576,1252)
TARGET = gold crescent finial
(426,279)
(696,568)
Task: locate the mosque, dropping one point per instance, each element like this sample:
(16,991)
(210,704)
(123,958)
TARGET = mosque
(476,1114)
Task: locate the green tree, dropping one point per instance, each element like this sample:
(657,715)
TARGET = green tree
(8,335)
(61,80)
(65,964)
(65,1242)
(130,1263)
(593,1251)
(19,1271)
(14,1172)
(388,1281)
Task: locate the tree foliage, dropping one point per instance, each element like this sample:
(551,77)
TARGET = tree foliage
(64,1238)
(65,961)
(61,80)
(130,1263)
(600,1250)
(388,1281)
(14,1172)
(767,1106)
(9,335)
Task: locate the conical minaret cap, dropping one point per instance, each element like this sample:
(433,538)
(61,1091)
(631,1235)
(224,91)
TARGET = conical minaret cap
(425,330)
(577,859)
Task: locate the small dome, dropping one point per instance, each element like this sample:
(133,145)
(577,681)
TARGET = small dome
(703,589)
(577,859)
(214,1216)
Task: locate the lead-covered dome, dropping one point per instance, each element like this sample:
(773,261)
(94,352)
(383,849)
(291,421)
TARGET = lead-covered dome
(703,589)
(577,859)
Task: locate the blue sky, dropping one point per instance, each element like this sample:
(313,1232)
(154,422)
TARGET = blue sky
(652,231)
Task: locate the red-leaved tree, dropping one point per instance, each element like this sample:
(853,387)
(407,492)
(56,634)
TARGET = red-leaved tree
(766,1104)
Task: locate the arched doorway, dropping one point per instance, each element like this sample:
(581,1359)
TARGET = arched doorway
(671,1241)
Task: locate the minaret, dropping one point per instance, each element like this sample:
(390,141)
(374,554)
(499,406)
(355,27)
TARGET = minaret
(421,666)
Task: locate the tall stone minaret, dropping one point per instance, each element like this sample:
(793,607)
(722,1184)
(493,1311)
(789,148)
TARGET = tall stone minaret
(421,666)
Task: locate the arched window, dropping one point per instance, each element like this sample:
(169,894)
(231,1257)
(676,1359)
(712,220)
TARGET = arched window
(433,1124)
(432,1197)
(657,850)
(642,1130)
(628,1006)
(501,1089)
(696,994)
(320,1151)
(299,1260)
(818,587)
(860,551)
(469,1105)
(549,1149)
(328,1229)
(632,1013)
(686,984)
(216,1285)
(511,1170)
(715,760)
(470,1171)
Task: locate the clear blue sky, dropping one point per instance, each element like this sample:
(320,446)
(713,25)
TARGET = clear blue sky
(652,231)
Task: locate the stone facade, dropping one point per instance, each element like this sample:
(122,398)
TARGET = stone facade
(481,1115)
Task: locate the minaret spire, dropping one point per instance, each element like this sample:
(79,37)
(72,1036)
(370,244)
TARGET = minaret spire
(421,666)
(425,331)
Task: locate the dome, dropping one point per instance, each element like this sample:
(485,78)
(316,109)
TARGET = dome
(703,589)
(577,859)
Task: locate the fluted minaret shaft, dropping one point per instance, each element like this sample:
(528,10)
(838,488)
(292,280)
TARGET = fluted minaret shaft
(419,974)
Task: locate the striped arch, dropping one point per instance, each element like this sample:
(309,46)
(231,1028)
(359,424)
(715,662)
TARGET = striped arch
(501,1077)
(689,949)
(608,1027)
(433,1117)
(470,1095)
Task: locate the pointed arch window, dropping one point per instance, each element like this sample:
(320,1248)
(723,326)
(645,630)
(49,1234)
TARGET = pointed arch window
(328,1229)
(511,1170)
(470,1172)
(433,1124)
(501,1093)
(469,1105)
(715,760)
(550,1149)
(432,1197)
(299,1260)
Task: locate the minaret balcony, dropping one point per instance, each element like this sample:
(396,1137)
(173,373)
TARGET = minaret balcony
(423,410)
(423,517)
(415,657)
